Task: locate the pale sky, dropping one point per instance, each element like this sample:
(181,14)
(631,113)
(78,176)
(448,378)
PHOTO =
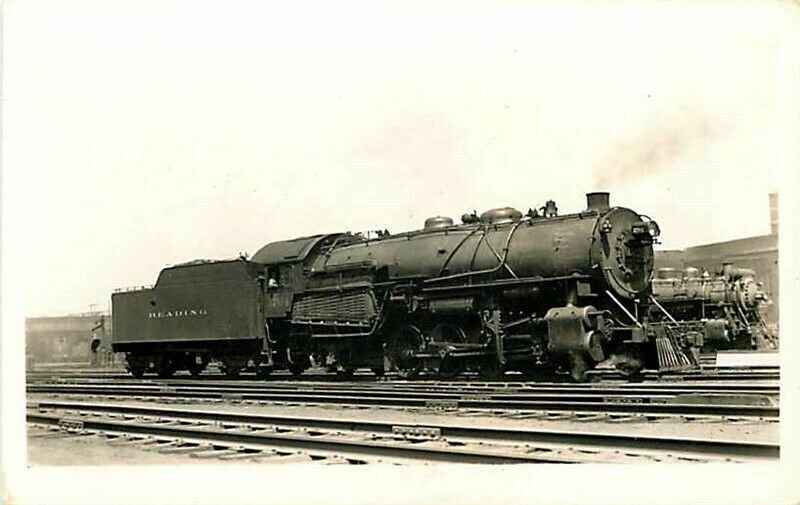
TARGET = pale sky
(141,134)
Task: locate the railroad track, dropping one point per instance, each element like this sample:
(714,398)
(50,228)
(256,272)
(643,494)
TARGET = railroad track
(232,435)
(705,374)
(643,402)
(727,387)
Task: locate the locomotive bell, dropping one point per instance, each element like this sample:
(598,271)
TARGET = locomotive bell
(597,200)
(438,222)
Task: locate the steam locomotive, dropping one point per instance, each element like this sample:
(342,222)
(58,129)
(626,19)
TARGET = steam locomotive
(537,292)
(726,307)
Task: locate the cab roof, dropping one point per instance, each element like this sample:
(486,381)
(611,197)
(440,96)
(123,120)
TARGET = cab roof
(288,251)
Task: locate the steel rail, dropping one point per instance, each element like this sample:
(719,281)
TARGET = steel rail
(298,442)
(764,395)
(615,441)
(451,387)
(608,404)
(756,372)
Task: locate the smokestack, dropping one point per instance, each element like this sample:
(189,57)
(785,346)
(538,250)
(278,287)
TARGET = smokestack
(597,200)
(773,213)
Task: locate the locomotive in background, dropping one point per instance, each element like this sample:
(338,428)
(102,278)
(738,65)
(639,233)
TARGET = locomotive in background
(501,291)
(727,306)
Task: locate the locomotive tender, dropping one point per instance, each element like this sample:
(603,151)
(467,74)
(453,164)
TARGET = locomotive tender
(537,293)
(726,307)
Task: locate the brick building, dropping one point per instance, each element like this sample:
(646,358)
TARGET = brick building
(66,339)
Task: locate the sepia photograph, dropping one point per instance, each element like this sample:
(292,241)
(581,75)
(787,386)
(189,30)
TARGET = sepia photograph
(388,252)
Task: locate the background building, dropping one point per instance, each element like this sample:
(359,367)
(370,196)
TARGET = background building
(67,339)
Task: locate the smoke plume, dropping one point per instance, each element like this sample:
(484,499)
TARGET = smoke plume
(655,148)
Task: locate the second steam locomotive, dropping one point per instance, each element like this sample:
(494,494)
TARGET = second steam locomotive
(536,292)
(726,306)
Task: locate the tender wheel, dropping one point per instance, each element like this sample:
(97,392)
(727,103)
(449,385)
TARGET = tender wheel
(379,371)
(263,372)
(165,368)
(136,365)
(400,350)
(165,372)
(137,371)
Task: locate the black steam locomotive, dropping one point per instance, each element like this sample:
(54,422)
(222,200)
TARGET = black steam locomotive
(725,306)
(501,291)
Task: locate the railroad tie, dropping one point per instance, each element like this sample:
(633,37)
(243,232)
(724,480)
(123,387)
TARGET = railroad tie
(470,413)
(127,440)
(595,417)
(624,419)
(560,416)
(708,419)
(161,444)
(185,448)
(744,421)
(170,423)
(51,434)
(213,453)
(292,458)
(250,455)
(335,460)
(509,414)
(532,415)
